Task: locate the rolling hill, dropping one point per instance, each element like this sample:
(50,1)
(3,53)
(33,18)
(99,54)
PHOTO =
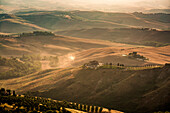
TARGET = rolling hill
(61,20)
(131,91)
(93,19)
(82,49)
(10,23)
(123,90)
(144,36)
(83,36)
(29,43)
(158,11)
(117,55)
(128,19)
(32,20)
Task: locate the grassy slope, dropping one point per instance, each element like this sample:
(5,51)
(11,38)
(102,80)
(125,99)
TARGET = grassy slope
(158,55)
(55,45)
(116,89)
(127,19)
(83,50)
(62,20)
(160,17)
(134,36)
(129,91)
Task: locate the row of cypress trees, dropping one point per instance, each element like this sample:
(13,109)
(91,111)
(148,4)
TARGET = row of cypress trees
(25,103)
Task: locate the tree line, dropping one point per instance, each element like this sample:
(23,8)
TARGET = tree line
(12,103)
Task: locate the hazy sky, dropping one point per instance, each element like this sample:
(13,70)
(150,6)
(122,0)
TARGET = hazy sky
(157,4)
(102,5)
(127,2)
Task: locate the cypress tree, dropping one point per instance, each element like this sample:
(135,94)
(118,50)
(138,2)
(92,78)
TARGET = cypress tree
(109,110)
(2,91)
(97,109)
(88,108)
(92,109)
(81,107)
(101,109)
(85,107)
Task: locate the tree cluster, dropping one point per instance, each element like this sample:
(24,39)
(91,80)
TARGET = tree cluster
(37,33)
(19,66)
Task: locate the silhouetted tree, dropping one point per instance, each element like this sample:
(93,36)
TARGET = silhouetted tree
(97,109)
(14,93)
(85,107)
(88,108)
(2,91)
(101,109)
(109,110)
(92,109)
(81,107)
(9,91)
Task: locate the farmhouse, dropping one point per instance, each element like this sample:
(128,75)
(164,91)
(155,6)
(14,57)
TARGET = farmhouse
(92,64)
(167,65)
(137,56)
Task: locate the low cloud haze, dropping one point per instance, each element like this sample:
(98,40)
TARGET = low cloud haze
(101,5)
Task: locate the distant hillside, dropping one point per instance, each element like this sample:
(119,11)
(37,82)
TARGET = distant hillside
(48,44)
(159,55)
(160,17)
(60,20)
(12,24)
(158,11)
(144,36)
(130,91)
(84,50)
(1,10)
(128,19)
(74,20)
(93,19)
(88,5)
